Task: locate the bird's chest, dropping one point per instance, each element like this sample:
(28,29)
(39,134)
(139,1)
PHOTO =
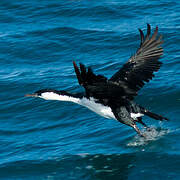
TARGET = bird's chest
(98,108)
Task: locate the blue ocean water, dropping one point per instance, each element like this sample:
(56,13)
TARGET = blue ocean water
(60,140)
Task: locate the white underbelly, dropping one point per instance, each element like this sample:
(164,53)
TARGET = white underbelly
(105,112)
(97,108)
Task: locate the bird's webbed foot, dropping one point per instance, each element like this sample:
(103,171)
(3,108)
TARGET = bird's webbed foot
(138,131)
(147,127)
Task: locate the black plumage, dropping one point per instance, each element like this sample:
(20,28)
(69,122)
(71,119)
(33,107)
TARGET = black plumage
(119,91)
(114,97)
(140,67)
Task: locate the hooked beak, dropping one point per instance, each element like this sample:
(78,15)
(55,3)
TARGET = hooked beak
(31,95)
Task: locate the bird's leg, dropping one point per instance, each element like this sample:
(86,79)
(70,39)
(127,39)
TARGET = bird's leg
(137,130)
(148,128)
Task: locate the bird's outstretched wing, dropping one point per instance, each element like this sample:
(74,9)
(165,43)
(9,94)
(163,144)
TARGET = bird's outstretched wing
(141,66)
(99,87)
(86,76)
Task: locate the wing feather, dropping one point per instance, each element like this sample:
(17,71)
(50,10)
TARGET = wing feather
(141,66)
(86,76)
(99,87)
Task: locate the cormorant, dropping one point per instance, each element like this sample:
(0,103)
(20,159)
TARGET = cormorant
(113,98)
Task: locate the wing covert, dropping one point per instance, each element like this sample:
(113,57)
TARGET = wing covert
(99,87)
(141,66)
(86,76)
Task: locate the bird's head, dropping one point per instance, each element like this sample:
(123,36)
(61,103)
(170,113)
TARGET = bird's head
(50,94)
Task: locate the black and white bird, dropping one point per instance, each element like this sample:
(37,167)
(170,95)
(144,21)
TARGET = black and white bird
(113,98)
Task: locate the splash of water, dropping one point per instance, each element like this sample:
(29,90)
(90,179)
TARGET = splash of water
(152,135)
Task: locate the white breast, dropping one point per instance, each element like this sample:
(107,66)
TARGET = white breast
(97,108)
(89,103)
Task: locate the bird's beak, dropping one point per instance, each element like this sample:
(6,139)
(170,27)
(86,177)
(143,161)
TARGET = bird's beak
(30,95)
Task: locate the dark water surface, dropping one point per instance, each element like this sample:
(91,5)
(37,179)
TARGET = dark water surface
(59,140)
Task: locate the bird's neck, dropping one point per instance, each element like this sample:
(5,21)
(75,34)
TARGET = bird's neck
(90,103)
(62,97)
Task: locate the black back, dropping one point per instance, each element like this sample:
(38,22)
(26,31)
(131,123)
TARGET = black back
(125,83)
(99,87)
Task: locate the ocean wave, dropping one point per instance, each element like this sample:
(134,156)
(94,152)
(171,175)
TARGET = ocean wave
(97,166)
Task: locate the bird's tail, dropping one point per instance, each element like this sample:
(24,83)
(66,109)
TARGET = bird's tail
(153,115)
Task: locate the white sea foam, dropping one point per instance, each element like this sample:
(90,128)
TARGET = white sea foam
(151,135)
